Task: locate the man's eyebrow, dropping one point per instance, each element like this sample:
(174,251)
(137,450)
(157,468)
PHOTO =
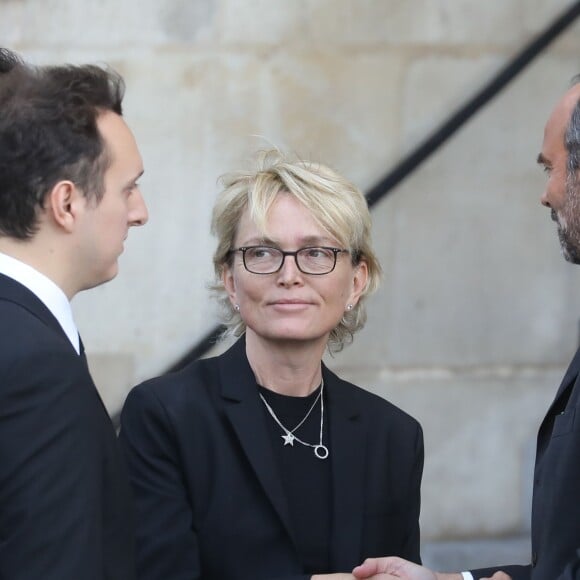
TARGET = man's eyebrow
(542,160)
(131,183)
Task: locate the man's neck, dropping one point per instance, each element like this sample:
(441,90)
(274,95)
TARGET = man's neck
(38,255)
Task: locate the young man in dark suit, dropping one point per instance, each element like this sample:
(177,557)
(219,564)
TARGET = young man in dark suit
(68,195)
(556,504)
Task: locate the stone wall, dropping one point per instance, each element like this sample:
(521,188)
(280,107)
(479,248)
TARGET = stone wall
(477,316)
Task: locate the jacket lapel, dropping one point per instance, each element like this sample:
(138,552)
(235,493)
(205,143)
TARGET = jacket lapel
(571,374)
(13,291)
(558,403)
(567,382)
(347,453)
(244,410)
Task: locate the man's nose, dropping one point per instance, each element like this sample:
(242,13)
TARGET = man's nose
(140,213)
(544,199)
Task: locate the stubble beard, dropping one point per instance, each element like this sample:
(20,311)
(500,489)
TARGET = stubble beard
(568,221)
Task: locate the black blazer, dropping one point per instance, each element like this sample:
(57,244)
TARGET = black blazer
(209,501)
(65,505)
(556,503)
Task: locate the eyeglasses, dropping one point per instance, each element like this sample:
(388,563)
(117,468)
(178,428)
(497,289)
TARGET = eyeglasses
(316,260)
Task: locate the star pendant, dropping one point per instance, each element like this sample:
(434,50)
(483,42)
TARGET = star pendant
(288,439)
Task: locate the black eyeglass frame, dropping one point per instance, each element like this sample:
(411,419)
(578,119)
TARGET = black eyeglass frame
(335,252)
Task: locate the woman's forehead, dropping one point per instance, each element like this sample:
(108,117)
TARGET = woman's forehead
(285,222)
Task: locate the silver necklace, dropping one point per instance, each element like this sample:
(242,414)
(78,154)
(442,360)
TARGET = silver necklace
(320,450)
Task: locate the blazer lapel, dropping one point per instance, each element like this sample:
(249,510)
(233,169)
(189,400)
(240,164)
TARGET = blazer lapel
(559,401)
(347,454)
(19,294)
(571,374)
(246,414)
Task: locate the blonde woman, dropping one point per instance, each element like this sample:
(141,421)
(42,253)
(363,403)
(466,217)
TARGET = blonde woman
(261,463)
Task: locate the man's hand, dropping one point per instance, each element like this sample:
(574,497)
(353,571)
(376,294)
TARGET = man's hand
(387,568)
(499,576)
(392,568)
(339,576)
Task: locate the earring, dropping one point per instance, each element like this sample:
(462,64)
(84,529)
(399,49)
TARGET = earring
(237,307)
(349,306)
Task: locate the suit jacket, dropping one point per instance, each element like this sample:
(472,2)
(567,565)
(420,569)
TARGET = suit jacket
(209,501)
(556,501)
(65,504)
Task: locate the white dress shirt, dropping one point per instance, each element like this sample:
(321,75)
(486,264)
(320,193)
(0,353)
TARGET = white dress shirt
(467,575)
(46,291)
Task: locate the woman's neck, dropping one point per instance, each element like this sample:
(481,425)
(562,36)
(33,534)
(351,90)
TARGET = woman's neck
(288,368)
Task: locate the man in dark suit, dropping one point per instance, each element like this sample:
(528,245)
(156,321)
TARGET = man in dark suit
(556,503)
(68,195)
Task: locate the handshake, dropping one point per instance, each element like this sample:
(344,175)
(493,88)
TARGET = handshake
(392,568)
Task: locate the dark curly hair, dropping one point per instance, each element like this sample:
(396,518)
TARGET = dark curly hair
(48,133)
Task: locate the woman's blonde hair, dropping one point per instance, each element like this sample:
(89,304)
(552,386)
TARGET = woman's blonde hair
(336,205)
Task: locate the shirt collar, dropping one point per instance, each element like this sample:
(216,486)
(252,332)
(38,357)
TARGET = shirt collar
(46,291)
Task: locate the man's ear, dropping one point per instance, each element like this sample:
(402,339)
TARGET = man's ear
(63,203)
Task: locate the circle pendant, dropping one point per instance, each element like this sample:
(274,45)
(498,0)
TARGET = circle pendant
(321,451)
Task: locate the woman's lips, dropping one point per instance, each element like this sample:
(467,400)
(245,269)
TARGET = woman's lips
(290,304)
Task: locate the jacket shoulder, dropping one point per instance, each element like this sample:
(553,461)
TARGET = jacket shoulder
(194,382)
(27,342)
(372,404)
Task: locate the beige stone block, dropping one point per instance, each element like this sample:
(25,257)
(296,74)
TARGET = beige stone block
(340,109)
(480,430)
(463,290)
(470,22)
(537,14)
(113,374)
(415,22)
(373,22)
(473,272)
(435,86)
(263,22)
(68,23)
(568,43)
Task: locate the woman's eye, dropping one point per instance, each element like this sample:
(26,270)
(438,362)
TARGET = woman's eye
(317,253)
(262,252)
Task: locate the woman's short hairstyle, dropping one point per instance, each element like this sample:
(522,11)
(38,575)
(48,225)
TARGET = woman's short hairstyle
(336,204)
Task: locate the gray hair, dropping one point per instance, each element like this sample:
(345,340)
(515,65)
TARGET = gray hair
(572,139)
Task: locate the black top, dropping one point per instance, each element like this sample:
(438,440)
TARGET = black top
(306,479)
